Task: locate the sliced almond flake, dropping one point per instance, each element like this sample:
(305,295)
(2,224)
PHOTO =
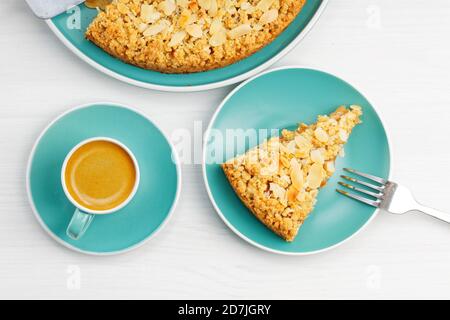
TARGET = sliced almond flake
(264,5)
(149,14)
(240,31)
(131,16)
(231,10)
(285,162)
(301,141)
(273,143)
(315,176)
(184,18)
(193,18)
(207,19)
(283,149)
(261,154)
(277,191)
(286,180)
(216,26)
(194,30)
(352,116)
(204,4)
(165,22)
(301,197)
(355,107)
(218,38)
(177,38)
(245,6)
(317,156)
(207,50)
(142,27)
(156,28)
(321,135)
(154,17)
(291,147)
(296,174)
(292,194)
(146,11)
(257,27)
(269,170)
(137,20)
(343,135)
(168,7)
(269,17)
(213,8)
(330,167)
(170,28)
(333,122)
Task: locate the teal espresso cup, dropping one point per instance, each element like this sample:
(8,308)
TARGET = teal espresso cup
(106,166)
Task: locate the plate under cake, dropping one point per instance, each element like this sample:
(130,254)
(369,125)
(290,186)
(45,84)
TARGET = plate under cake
(279,180)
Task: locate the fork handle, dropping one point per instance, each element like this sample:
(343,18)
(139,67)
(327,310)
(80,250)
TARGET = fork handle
(443,216)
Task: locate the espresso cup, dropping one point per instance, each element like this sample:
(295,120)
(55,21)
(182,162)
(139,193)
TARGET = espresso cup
(99,176)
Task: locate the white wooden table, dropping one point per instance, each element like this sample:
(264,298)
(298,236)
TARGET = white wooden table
(397,52)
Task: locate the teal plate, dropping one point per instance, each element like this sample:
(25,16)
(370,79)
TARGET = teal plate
(279,99)
(73,37)
(153,203)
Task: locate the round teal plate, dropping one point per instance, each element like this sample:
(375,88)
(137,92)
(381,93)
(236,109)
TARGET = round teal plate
(153,203)
(70,27)
(280,99)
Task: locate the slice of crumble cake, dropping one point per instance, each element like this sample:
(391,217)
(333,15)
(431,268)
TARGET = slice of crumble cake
(279,180)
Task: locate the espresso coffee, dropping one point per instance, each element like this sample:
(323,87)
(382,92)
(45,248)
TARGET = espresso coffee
(100,175)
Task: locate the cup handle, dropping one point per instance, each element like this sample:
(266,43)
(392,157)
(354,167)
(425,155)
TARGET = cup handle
(79,224)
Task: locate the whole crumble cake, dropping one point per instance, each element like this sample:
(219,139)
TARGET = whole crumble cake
(185,36)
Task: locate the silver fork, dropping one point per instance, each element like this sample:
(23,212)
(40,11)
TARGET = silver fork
(386,195)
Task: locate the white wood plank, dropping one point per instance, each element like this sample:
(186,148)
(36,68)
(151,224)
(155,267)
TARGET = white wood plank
(401,64)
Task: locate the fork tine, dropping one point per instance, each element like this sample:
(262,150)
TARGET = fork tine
(372,194)
(368,176)
(372,186)
(372,203)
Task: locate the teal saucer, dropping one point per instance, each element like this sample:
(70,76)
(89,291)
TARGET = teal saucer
(153,203)
(280,99)
(71,33)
